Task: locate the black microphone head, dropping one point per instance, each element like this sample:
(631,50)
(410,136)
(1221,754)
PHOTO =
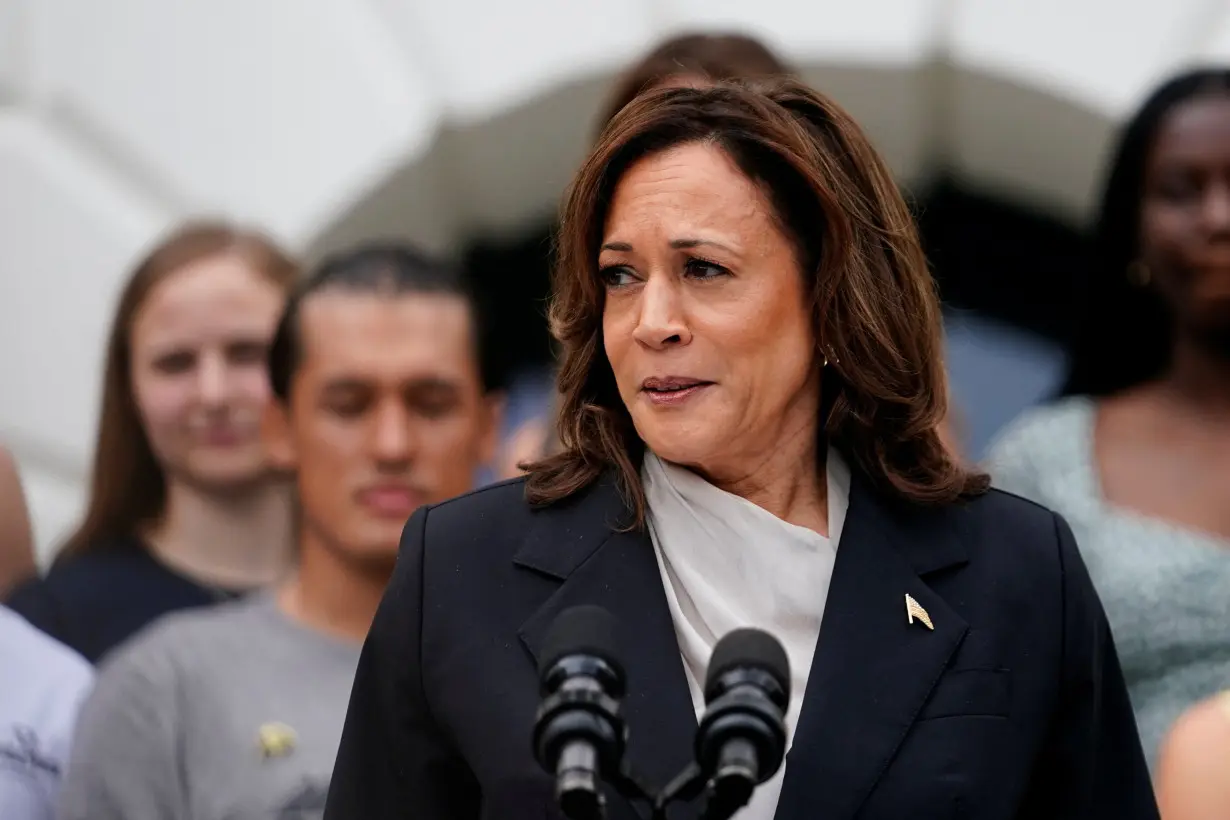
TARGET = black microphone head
(747,648)
(581,630)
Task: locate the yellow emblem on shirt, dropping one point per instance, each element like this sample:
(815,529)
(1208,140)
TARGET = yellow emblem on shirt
(276,740)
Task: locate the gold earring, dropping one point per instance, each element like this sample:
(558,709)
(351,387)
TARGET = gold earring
(1138,274)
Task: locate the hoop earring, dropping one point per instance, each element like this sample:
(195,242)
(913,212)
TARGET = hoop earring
(1138,274)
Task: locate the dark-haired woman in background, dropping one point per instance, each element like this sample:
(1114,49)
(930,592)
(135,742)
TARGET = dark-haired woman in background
(695,58)
(751,385)
(1137,455)
(183,508)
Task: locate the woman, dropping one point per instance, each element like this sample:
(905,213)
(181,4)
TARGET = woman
(694,58)
(184,510)
(1135,454)
(1193,763)
(751,382)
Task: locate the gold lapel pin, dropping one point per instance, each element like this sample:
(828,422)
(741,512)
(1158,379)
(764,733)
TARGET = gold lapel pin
(913,610)
(276,740)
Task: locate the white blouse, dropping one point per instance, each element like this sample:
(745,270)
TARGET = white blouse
(727,563)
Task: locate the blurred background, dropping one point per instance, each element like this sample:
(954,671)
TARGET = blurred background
(456,125)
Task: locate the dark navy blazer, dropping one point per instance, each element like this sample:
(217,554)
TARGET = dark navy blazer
(1014,706)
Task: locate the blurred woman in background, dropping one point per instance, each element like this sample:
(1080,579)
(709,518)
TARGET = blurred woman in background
(1135,454)
(694,59)
(184,510)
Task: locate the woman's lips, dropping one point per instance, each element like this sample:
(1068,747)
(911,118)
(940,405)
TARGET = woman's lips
(674,390)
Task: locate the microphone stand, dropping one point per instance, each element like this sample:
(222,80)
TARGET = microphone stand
(687,786)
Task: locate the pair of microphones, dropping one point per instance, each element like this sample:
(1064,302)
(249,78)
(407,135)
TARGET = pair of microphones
(580,736)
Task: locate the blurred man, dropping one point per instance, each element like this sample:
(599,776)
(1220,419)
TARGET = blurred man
(236,712)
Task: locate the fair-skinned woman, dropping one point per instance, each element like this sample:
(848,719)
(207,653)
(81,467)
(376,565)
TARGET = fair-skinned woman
(184,509)
(751,386)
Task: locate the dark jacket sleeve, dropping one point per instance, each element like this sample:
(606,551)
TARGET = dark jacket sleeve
(1091,765)
(394,761)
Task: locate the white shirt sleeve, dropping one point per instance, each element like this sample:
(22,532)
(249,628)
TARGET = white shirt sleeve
(42,687)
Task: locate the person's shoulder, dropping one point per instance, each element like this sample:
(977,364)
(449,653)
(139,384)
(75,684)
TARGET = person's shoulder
(42,686)
(87,584)
(497,519)
(1192,762)
(185,630)
(1203,729)
(41,658)
(1044,429)
(1000,508)
(1040,445)
(168,649)
(85,576)
(507,497)
(1011,531)
(500,510)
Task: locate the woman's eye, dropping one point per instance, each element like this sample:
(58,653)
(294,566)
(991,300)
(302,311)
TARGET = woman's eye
(616,276)
(702,269)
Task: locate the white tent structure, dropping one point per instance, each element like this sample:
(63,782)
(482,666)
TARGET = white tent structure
(329,120)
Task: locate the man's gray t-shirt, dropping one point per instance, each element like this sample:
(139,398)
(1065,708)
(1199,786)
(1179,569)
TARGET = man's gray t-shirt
(230,713)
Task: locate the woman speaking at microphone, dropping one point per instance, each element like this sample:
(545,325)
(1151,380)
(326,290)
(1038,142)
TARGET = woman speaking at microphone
(751,381)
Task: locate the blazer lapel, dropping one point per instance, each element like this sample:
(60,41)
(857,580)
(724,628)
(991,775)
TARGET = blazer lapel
(873,670)
(581,547)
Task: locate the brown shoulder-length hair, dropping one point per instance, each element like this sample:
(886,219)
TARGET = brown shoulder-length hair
(127,484)
(714,56)
(876,311)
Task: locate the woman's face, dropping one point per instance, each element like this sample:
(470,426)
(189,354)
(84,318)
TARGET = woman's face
(198,370)
(707,322)
(1185,213)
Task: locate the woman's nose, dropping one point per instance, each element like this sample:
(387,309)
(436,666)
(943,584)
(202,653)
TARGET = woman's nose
(662,321)
(212,380)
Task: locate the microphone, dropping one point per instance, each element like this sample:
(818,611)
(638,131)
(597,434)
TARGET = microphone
(579,732)
(741,741)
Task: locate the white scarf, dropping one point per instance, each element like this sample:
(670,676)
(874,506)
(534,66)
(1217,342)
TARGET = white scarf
(727,563)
